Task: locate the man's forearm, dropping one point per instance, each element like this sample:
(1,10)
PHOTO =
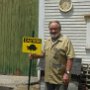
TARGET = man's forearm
(41,55)
(69,64)
(36,56)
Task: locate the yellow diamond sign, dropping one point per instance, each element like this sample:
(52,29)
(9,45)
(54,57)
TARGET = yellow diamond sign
(32,45)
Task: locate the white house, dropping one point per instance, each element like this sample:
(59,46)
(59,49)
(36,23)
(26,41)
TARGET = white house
(75,24)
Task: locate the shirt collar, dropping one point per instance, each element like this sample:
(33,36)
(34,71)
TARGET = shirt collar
(60,38)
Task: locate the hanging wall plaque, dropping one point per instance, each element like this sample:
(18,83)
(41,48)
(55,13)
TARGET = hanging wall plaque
(65,5)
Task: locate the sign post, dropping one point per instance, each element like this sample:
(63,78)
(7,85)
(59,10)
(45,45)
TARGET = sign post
(30,65)
(31,45)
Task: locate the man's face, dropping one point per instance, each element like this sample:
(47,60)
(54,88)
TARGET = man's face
(54,30)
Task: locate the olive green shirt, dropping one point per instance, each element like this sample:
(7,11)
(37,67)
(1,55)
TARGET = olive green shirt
(56,54)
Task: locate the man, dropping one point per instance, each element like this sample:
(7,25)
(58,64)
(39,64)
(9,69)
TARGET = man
(59,54)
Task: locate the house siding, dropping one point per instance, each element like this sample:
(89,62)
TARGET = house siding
(72,22)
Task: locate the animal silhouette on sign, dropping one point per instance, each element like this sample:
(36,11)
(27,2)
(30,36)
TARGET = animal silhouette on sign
(32,47)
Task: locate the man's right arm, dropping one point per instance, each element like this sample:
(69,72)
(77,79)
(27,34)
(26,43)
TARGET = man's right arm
(36,56)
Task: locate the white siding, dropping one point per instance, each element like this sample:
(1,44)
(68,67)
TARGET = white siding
(73,24)
(40,33)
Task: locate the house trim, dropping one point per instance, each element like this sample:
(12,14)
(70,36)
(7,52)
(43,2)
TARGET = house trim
(40,29)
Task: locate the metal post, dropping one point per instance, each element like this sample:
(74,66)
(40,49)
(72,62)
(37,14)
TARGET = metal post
(30,65)
(30,69)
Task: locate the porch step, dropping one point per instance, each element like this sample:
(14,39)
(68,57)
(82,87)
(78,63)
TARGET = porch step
(5,88)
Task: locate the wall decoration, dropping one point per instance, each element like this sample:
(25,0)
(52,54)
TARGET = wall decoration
(65,5)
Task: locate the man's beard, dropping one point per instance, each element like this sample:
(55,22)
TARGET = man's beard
(55,36)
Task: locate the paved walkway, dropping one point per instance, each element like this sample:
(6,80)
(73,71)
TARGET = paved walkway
(21,83)
(16,82)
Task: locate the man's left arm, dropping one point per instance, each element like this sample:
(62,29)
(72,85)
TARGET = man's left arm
(66,76)
(70,56)
(69,65)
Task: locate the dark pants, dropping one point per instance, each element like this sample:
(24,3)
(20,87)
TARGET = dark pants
(50,86)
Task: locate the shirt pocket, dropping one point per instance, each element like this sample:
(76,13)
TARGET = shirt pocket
(59,53)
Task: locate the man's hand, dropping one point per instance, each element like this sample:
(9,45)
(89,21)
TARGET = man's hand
(65,78)
(33,56)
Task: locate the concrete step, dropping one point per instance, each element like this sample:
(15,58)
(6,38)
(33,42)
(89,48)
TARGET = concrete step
(5,88)
(25,87)
(42,86)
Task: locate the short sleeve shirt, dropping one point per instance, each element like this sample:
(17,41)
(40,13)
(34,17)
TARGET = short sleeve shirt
(56,54)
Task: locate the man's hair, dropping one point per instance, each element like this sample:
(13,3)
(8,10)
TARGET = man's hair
(55,21)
